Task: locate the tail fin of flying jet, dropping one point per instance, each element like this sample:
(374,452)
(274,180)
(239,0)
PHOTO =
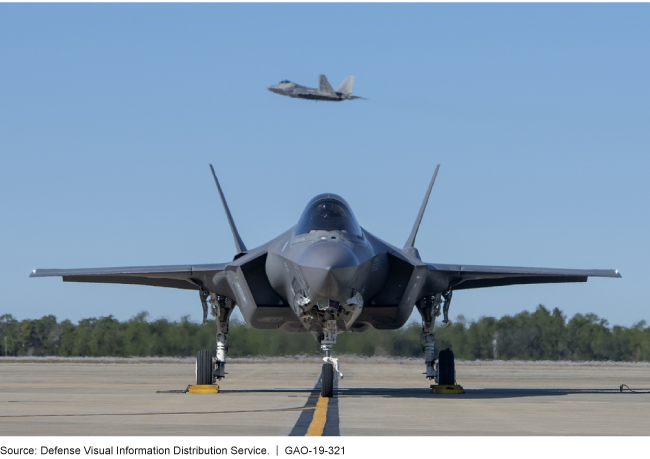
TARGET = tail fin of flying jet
(239,244)
(324,85)
(346,86)
(410,242)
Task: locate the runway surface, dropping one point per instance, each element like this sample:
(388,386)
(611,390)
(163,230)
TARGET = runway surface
(376,398)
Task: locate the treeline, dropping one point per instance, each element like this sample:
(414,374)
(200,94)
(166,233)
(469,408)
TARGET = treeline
(541,335)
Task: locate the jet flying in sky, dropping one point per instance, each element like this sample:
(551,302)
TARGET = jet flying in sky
(324,91)
(326,275)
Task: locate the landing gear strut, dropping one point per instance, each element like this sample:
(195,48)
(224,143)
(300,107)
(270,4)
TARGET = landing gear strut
(209,369)
(330,365)
(221,309)
(429,309)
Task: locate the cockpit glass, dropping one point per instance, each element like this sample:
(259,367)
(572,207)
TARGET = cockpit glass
(285,81)
(328,215)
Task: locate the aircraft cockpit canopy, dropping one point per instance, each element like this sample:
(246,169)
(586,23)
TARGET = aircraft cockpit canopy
(328,212)
(285,81)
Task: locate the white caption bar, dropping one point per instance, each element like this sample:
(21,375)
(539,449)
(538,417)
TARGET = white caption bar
(333,447)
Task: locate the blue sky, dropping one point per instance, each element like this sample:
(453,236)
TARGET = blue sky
(110,113)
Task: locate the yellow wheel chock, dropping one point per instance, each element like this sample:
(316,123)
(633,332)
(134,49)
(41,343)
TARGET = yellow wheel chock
(203,389)
(447,389)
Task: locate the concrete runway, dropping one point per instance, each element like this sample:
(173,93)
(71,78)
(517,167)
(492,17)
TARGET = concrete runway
(377,397)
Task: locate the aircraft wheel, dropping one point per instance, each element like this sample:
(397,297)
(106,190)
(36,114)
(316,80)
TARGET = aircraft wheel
(204,367)
(446,368)
(327,380)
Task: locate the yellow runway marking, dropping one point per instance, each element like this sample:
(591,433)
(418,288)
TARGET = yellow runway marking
(320,416)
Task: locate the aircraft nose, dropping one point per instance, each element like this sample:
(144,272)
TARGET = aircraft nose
(329,269)
(328,255)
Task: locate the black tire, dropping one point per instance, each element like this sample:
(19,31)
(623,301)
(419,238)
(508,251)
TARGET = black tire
(446,368)
(327,380)
(204,367)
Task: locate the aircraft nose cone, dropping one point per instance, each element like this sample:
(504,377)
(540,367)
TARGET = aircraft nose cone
(328,255)
(329,269)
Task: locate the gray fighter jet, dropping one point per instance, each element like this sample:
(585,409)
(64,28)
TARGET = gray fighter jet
(324,91)
(326,275)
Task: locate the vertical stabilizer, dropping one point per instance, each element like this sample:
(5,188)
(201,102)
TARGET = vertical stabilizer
(410,242)
(346,86)
(324,85)
(239,244)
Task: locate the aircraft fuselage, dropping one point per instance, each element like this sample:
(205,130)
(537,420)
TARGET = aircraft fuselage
(302,92)
(326,266)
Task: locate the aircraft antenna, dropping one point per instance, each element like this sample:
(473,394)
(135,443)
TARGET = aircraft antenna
(239,244)
(410,242)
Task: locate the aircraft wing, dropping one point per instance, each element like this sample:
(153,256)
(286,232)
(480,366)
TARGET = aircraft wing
(459,277)
(174,276)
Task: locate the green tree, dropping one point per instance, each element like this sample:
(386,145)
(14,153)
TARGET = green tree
(588,337)
(8,334)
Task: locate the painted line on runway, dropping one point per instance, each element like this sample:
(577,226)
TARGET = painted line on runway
(271,410)
(302,425)
(318,421)
(322,419)
(331,428)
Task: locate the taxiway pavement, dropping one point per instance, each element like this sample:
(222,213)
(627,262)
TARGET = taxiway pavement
(376,397)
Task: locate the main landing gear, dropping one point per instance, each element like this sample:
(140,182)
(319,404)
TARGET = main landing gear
(209,369)
(204,368)
(443,369)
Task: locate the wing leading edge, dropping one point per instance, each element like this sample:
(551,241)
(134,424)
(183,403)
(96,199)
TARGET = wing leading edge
(460,277)
(175,276)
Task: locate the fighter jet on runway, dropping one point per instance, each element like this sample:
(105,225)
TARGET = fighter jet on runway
(324,91)
(326,275)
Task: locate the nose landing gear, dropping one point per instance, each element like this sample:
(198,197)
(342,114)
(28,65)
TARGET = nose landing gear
(327,380)
(330,365)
